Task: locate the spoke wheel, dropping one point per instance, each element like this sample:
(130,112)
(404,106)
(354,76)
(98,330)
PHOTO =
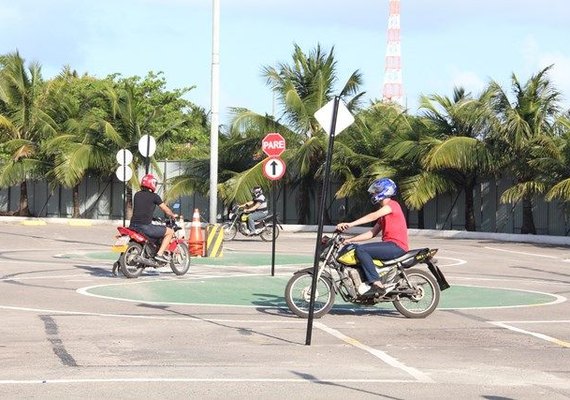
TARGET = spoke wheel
(425,298)
(129,267)
(267,234)
(298,295)
(230,231)
(180,261)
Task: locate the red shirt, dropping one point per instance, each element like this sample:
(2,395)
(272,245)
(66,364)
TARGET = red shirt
(394,227)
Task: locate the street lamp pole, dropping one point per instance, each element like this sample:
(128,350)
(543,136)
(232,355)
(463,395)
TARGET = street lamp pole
(214,110)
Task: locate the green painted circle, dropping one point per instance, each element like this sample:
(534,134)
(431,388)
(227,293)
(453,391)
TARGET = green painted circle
(267,291)
(228,259)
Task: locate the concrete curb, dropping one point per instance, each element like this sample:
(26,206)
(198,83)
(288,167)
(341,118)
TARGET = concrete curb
(504,237)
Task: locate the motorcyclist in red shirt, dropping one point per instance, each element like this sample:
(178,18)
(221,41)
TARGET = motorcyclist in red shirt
(390,220)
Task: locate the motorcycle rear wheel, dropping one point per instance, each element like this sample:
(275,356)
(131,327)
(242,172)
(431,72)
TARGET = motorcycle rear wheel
(298,295)
(230,231)
(426,298)
(180,261)
(267,233)
(129,267)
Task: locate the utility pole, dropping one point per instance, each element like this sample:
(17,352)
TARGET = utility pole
(215,100)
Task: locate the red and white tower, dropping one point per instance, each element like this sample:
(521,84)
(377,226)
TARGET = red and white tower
(393,90)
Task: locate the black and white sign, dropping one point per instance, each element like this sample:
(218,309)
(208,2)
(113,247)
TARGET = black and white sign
(273,168)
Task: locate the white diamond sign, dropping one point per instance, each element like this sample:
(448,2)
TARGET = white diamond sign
(343,117)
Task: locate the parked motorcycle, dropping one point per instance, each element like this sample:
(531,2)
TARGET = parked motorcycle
(238,223)
(138,251)
(416,293)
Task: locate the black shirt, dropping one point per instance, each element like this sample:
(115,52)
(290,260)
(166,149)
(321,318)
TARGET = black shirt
(143,207)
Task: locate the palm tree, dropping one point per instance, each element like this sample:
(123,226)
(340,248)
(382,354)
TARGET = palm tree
(301,88)
(132,116)
(525,125)
(458,151)
(23,123)
(80,147)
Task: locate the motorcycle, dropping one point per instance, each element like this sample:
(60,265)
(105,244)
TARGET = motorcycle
(238,223)
(416,292)
(138,251)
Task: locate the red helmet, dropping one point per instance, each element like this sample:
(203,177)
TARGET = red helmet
(149,181)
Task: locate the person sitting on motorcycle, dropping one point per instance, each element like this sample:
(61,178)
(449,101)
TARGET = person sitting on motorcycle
(144,203)
(256,208)
(391,221)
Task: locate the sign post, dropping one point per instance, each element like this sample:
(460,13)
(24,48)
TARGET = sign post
(124,173)
(273,144)
(333,117)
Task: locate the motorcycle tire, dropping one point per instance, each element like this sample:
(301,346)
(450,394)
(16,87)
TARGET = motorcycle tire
(267,233)
(298,295)
(180,261)
(424,301)
(129,268)
(230,231)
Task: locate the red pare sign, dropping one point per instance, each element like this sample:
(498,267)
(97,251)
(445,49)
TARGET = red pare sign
(273,144)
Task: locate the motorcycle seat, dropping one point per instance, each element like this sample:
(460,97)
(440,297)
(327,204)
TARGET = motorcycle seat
(408,259)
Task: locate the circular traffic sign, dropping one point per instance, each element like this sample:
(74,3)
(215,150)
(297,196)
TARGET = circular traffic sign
(273,168)
(147,145)
(124,157)
(124,173)
(273,144)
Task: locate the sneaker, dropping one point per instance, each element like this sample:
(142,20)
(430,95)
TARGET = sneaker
(162,258)
(363,288)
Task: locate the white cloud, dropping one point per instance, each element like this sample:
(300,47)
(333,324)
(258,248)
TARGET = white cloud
(469,80)
(559,73)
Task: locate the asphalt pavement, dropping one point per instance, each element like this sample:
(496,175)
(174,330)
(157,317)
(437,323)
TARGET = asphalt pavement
(70,329)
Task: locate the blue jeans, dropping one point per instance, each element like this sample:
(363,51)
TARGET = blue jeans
(254,216)
(382,251)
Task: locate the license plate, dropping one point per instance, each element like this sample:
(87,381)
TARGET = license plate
(121,244)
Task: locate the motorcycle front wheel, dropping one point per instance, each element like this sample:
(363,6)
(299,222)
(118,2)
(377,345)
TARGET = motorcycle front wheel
(298,295)
(180,261)
(230,231)
(425,297)
(129,267)
(267,233)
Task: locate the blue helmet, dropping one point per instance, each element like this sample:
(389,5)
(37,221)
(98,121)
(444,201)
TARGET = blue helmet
(382,189)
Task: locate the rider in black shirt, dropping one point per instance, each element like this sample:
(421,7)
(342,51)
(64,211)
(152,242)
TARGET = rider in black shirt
(144,204)
(256,208)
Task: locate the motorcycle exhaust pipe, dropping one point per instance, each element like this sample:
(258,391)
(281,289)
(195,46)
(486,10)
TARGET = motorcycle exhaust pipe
(145,261)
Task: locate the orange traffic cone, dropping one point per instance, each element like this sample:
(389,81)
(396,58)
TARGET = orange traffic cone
(196,241)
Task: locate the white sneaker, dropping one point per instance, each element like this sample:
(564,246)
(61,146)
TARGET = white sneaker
(363,288)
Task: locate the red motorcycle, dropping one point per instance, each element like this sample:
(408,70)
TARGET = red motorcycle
(138,251)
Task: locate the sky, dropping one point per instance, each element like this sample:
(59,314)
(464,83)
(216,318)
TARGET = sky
(445,43)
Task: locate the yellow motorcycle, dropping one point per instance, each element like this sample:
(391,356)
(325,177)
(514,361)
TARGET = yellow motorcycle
(415,292)
(238,223)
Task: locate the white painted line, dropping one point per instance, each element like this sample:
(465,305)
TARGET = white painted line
(27,278)
(557,299)
(535,334)
(417,374)
(457,261)
(220,380)
(556,321)
(186,318)
(520,252)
